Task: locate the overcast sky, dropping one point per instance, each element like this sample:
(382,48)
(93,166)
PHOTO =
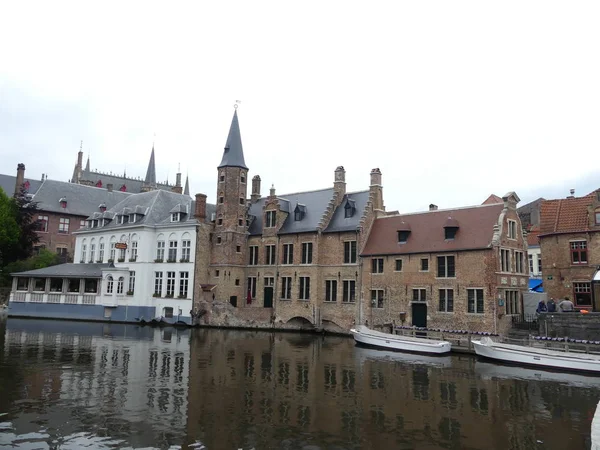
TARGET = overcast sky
(453,100)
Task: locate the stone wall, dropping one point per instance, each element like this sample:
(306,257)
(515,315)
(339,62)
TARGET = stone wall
(573,325)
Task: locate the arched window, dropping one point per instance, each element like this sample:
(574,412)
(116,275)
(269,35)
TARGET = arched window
(92,250)
(101,250)
(109,284)
(83,250)
(120,283)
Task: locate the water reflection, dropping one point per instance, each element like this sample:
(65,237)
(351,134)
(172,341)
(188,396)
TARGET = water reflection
(70,385)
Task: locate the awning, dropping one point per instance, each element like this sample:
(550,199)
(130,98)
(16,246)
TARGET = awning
(536,285)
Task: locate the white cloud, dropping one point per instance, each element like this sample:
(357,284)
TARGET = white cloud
(452,100)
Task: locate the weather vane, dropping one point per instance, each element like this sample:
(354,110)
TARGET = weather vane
(237,103)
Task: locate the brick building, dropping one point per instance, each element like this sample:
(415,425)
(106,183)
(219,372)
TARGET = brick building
(463,268)
(296,254)
(570,242)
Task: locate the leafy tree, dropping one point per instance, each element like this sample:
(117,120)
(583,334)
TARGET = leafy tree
(26,211)
(10,234)
(45,258)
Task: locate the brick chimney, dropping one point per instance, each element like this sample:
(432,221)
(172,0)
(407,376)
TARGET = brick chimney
(200,212)
(433,207)
(20,178)
(376,190)
(572,192)
(339,181)
(255,188)
(109,187)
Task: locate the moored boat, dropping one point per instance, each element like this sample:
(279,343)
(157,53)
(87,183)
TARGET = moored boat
(534,356)
(366,336)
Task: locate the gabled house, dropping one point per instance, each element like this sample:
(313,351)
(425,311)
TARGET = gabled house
(569,240)
(462,268)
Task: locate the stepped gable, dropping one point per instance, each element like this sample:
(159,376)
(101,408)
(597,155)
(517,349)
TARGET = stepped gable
(339,222)
(476,230)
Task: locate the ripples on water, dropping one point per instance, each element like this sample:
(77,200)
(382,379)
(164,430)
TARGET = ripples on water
(72,385)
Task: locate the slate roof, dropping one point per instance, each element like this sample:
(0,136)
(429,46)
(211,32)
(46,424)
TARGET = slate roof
(565,215)
(339,222)
(81,200)
(476,229)
(151,172)
(131,184)
(233,156)
(7,183)
(66,270)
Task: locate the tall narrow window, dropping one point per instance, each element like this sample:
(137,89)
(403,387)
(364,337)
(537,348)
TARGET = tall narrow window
(398,265)
(376,265)
(109,284)
(113,251)
(475,301)
(131,288)
(186,246)
(304,288)
(330,290)
(579,252)
(286,288)
(531,264)
(170,284)
(270,255)
(83,252)
(307,249)
(92,252)
(349,294)
(512,229)
(134,251)
(539,265)
(446,267)
(505,260)
(377,298)
(519,262)
(271,218)
(101,252)
(172,251)
(288,254)
(446,300)
(120,283)
(350,252)
(158,283)
(184,279)
(252,286)
(43,224)
(160,251)
(253,252)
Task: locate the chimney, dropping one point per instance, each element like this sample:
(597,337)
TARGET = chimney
(339,181)
(109,187)
(255,188)
(20,178)
(376,190)
(572,191)
(433,207)
(200,212)
(272,191)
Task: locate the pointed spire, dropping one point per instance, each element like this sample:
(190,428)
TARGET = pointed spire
(233,156)
(186,191)
(87,164)
(151,172)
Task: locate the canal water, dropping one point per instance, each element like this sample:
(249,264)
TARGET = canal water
(73,385)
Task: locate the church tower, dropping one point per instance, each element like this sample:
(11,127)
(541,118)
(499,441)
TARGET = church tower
(229,240)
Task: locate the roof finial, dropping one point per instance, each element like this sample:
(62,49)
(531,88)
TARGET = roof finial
(237,104)
(81,146)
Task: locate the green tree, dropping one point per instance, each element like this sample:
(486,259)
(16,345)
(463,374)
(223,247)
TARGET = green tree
(10,233)
(45,258)
(26,212)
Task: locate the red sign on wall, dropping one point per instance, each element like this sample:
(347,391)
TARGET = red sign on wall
(121,245)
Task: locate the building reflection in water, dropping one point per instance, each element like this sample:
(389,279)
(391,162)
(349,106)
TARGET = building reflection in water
(260,390)
(97,384)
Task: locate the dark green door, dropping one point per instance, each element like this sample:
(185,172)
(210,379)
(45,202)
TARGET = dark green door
(268,297)
(419,314)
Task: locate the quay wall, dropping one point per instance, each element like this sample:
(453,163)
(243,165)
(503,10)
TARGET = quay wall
(572,324)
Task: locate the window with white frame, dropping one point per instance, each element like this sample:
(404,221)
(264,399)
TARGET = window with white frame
(288,254)
(131,288)
(512,229)
(270,219)
(43,224)
(184,279)
(579,252)
(160,250)
(186,246)
(530,264)
(252,286)
(419,295)
(376,265)
(172,250)
(63,225)
(350,252)
(175,217)
(446,303)
(583,294)
(270,255)
(286,288)
(475,301)
(113,250)
(170,284)
(304,290)
(158,283)
(120,283)
(82,224)
(83,251)
(101,251)
(109,284)
(92,251)
(307,252)
(349,291)
(134,251)
(330,290)
(122,254)
(253,252)
(511,300)
(504,260)
(377,297)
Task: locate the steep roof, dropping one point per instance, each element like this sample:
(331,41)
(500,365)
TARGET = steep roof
(476,229)
(492,199)
(81,200)
(186,190)
(339,222)
(233,155)
(131,184)
(151,171)
(565,215)
(67,270)
(7,183)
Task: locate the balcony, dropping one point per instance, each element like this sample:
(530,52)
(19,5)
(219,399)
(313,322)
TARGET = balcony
(72,298)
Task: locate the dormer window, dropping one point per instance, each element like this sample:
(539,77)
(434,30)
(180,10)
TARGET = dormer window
(270,219)
(403,232)
(63,202)
(299,212)
(175,217)
(450,228)
(124,219)
(132,218)
(102,207)
(349,209)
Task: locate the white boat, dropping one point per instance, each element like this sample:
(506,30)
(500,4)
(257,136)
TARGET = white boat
(523,355)
(366,336)
(363,354)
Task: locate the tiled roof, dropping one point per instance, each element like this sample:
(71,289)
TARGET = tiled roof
(476,229)
(7,183)
(565,215)
(532,236)
(492,200)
